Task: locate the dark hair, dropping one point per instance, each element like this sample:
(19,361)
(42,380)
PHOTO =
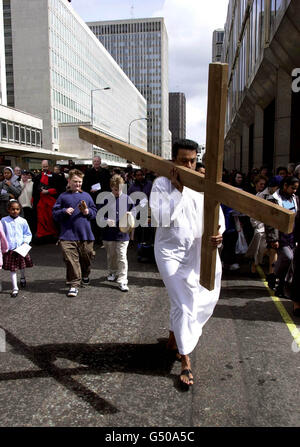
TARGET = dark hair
(183,144)
(289,181)
(260,177)
(138,170)
(281,168)
(11,202)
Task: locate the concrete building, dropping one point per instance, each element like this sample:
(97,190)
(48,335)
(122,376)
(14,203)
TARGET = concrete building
(21,133)
(217,45)
(261,47)
(140,47)
(3,98)
(63,74)
(177,115)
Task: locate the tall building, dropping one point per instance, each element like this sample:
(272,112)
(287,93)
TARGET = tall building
(140,47)
(261,46)
(3,99)
(217,45)
(62,73)
(177,115)
(21,133)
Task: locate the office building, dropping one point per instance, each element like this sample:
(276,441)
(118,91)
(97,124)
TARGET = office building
(261,46)
(3,99)
(217,45)
(177,115)
(60,72)
(140,47)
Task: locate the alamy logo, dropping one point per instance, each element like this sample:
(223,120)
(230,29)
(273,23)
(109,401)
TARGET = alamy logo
(161,213)
(296,81)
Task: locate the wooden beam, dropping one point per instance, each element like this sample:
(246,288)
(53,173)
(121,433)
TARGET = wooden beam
(253,206)
(236,198)
(191,179)
(216,111)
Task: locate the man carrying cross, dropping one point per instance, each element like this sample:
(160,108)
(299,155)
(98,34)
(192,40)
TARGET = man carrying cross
(179,211)
(215,191)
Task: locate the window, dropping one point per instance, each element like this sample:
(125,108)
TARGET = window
(28,140)
(17,133)
(38,138)
(33,139)
(23,135)
(4,130)
(10,131)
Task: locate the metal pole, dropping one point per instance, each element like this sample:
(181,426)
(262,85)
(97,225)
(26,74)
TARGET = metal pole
(137,119)
(92,104)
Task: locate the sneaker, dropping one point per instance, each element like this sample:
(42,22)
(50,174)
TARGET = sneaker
(111,277)
(72,292)
(22,283)
(233,267)
(14,293)
(85,281)
(123,287)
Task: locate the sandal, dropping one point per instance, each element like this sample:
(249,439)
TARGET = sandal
(185,386)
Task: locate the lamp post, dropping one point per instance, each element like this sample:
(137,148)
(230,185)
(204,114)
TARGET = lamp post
(92,105)
(137,119)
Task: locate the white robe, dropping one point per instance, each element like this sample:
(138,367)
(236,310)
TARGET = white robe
(177,249)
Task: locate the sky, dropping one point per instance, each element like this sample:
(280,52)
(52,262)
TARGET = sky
(190,24)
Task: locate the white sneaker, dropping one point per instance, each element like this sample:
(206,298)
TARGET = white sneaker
(72,292)
(111,277)
(234,267)
(123,287)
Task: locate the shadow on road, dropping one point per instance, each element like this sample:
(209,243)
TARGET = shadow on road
(146,359)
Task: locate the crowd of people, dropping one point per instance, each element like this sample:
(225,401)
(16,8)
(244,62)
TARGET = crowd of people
(82,210)
(37,194)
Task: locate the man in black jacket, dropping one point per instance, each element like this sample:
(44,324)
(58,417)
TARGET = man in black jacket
(96,180)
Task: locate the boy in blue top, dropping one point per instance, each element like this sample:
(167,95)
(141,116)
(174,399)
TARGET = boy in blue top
(74,210)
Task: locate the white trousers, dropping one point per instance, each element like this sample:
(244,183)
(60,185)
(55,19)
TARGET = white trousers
(117,259)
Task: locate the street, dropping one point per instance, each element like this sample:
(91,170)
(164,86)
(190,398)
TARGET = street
(98,360)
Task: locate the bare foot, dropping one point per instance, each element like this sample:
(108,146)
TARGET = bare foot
(186,376)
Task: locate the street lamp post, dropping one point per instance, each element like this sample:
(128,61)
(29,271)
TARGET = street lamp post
(92,105)
(137,119)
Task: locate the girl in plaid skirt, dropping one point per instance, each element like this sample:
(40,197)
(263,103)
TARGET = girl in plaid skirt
(3,249)
(17,233)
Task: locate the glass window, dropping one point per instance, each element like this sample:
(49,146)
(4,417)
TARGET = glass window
(17,133)
(28,141)
(10,131)
(4,130)
(23,134)
(38,138)
(33,137)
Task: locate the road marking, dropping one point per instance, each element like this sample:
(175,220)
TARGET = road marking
(282,310)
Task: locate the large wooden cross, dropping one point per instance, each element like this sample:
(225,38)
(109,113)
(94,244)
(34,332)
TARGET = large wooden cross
(215,191)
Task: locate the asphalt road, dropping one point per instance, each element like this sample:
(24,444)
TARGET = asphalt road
(98,360)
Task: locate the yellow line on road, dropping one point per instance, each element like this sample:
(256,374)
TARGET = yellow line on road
(282,310)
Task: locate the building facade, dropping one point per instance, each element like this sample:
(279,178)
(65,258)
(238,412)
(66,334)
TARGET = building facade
(3,99)
(140,47)
(261,46)
(177,115)
(63,74)
(217,45)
